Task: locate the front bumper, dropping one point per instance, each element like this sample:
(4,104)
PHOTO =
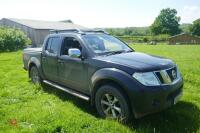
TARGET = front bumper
(153,99)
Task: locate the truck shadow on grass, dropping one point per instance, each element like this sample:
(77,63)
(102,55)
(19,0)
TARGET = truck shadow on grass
(64,96)
(181,118)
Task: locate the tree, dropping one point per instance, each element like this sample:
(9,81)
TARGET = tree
(195,27)
(167,22)
(185,28)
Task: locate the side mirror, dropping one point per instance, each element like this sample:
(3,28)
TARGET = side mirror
(74,52)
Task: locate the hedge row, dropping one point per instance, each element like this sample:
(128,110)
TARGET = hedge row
(142,39)
(12,39)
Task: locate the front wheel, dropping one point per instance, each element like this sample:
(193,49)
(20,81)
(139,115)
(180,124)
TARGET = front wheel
(34,75)
(111,103)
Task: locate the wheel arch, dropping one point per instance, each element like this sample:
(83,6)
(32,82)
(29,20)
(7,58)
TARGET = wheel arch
(29,68)
(108,76)
(34,62)
(109,82)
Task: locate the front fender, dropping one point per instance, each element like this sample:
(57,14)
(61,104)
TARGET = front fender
(128,84)
(113,74)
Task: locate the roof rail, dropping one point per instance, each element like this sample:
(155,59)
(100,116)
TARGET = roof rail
(66,30)
(76,30)
(97,30)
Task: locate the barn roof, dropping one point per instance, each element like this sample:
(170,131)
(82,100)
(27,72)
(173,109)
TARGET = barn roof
(179,35)
(183,34)
(38,24)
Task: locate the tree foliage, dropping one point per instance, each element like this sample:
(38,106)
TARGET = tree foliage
(12,39)
(185,27)
(167,22)
(195,27)
(129,31)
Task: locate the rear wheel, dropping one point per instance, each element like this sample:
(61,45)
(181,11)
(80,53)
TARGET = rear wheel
(34,75)
(111,103)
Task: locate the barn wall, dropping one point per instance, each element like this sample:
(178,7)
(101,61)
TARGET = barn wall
(184,39)
(40,36)
(36,36)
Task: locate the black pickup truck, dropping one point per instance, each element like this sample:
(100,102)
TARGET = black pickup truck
(102,69)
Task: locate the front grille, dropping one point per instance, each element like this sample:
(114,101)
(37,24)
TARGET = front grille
(159,77)
(172,73)
(167,76)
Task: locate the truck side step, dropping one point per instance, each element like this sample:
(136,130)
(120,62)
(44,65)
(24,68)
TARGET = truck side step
(72,92)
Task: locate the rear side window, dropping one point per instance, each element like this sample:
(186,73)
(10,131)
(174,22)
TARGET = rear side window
(48,45)
(52,45)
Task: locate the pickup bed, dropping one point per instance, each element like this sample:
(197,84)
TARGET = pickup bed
(102,69)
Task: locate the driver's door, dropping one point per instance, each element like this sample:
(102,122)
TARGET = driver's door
(72,71)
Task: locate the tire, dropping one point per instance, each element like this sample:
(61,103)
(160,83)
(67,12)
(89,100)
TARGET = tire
(111,103)
(34,75)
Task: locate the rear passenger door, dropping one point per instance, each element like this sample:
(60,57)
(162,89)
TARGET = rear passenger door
(49,59)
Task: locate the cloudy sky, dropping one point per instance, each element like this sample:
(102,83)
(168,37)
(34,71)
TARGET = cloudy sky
(99,13)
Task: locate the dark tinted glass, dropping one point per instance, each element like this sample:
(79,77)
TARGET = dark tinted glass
(54,45)
(48,44)
(70,42)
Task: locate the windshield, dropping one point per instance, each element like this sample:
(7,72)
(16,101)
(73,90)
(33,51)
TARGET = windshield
(103,43)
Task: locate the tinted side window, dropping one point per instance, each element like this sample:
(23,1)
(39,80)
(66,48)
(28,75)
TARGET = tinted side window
(52,45)
(70,42)
(48,44)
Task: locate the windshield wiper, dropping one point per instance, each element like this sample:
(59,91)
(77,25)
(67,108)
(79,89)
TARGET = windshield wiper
(118,52)
(128,51)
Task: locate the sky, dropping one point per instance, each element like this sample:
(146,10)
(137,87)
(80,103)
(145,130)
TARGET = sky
(99,13)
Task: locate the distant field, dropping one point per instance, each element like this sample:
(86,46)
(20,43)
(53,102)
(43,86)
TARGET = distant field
(28,108)
(140,39)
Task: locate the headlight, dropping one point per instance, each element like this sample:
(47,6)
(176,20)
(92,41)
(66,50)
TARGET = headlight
(147,78)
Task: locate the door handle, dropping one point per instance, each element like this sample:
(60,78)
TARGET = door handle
(60,61)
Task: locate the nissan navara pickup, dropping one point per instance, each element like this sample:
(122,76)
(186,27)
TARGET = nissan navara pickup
(105,71)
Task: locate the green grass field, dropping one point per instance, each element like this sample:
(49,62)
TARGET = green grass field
(25,107)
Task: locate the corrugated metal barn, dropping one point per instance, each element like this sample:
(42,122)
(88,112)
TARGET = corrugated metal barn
(37,30)
(184,38)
